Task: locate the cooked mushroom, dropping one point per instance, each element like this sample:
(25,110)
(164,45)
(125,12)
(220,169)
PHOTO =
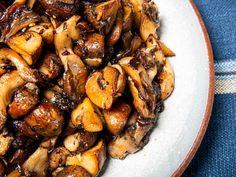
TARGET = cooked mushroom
(37,163)
(76,73)
(14,173)
(121,83)
(17,158)
(127,18)
(167,51)
(2,168)
(80,141)
(140,86)
(25,71)
(8,84)
(88,116)
(58,157)
(5,141)
(167,80)
(75,171)
(60,100)
(133,139)
(116,117)
(25,99)
(46,120)
(102,15)
(28,44)
(46,30)
(115,33)
(91,160)
(15,18)
(51,65)
(25,129)
(60,8)
(91,50)
(102,87)
(146,17)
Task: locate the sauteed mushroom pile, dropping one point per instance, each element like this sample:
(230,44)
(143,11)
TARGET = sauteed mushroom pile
(80,80)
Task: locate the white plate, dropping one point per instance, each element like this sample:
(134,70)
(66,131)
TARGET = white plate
(182,125)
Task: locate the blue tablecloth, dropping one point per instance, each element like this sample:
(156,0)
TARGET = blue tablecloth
(216,156)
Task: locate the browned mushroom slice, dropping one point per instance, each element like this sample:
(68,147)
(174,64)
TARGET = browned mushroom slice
(116,117)
(51,65)
(25,71)
(121,83)
(37,163)
(28,44)
(141,87)
(58,157)
(167,80)
(5,142)
(17,158)
(80,141)
(25,129)
(2,168)
(75,171)
(91,160)
(102,15)
(8,84)
(46,120)
(101,87)
(76,73)
(88,116)
(15,18)
(115,33)
(60,8)
(46,30)
(25,99)
(133,139)
(128,18)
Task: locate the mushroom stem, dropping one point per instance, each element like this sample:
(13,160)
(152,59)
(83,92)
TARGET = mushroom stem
(8,84)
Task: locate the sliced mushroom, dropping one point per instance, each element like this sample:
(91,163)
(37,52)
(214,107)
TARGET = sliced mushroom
(140,86)
(15,18)
(46,30)
(127,18)
(75,171)
(116,117)
(91,160)
(8,84)
(51,66)
(133,139)
(25,99)
(58,157)
(167,80)
(60,8)
(17,158)
(102,15)
(28,44)
(88,116)
(80,142)
(14,173)
(37,163)
(25,71)
(115,33)
(5,142)
(25,129)
(46,120)
(121,83)
(102,87)
(76,73)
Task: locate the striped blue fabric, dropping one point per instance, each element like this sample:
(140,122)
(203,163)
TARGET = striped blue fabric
(216,156)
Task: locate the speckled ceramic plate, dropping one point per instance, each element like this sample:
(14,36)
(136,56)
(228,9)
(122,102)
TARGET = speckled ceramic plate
(183,123)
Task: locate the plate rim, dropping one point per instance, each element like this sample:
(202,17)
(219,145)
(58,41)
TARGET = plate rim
(208,110)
